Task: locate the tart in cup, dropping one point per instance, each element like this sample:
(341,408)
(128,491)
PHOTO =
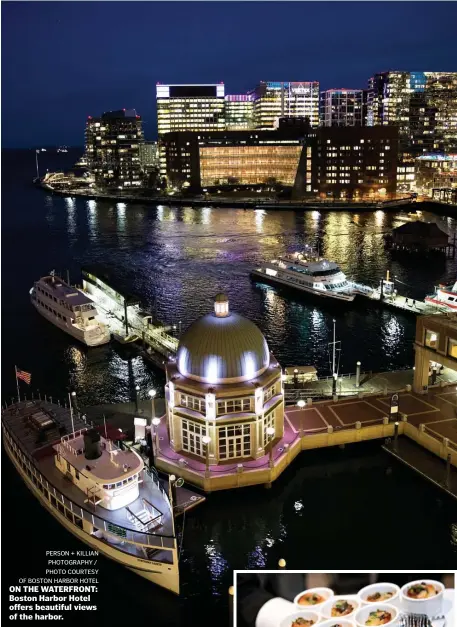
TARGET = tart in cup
(321,596)
(336,602)
(294,619)
(386,593)
(430,606)
(365,616)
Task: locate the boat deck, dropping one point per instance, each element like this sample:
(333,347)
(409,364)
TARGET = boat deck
(160,532)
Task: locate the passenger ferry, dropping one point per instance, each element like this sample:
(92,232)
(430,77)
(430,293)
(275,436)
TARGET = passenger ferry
(444,297)
(69,309)
(96,486)
(307,274)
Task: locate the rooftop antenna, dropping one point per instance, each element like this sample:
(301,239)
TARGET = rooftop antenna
(36,160)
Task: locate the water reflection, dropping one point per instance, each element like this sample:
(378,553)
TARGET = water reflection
(71,215)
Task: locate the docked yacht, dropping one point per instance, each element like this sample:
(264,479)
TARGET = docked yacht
(69,309)
(307,274)
(96,486)
(444,298)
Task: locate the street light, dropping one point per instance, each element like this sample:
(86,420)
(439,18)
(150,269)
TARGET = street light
(301,403)
(155,425)
(271,432)
(72,394)
(137,389)
(206,440)
(152,393)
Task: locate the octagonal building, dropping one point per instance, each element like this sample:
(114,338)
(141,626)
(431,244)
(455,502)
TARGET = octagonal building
(226,385)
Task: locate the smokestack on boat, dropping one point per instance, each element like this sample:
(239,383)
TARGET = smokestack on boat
(92,444)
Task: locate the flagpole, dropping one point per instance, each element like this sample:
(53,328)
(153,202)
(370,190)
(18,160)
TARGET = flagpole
(17,385)
(71,413)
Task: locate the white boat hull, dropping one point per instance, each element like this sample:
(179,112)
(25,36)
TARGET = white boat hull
(301,288)
(104,338)
(164,575)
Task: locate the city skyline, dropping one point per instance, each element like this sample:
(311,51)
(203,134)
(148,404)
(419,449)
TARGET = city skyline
(54,93)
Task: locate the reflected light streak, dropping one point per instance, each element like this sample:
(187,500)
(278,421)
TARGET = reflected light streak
(379,216)
(71,221)
(259,219)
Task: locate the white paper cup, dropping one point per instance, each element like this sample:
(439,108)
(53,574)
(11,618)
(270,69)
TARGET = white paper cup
(326,593)
(362,615)
(380,587)
(431,606)
(350,598)
(306,614)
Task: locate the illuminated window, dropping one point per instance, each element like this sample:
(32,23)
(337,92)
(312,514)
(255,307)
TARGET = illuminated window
(452,348)
(268,422)
(234,441)
(192,434)
(431,339)
(232,406)
(192,402)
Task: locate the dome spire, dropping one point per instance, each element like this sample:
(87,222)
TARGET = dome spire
(221,306)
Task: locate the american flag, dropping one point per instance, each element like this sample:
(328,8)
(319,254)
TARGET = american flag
(24,376)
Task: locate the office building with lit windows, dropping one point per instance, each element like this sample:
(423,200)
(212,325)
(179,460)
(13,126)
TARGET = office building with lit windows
(239,158)
(422,104)
(435,172)
(342,107)
(113,149)
(274,100)
(357,162)
(239,112)
(149,156)
(188,108)
(224,393)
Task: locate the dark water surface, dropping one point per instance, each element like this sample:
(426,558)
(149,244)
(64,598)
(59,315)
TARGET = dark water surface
(333,509)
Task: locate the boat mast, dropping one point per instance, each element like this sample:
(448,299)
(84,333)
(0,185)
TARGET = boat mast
(36,159)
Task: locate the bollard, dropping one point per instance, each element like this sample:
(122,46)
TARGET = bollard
(385,420)
(357,375)
(282,563)
(309,402)
(239,468)
(404,417)
(358,425)
(329,429)
(231,591)
(396,435)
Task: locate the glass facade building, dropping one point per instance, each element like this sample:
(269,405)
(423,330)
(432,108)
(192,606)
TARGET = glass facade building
(113,149)
(422,104)
(188,108)
(273,100)
(239,112)
(342,107)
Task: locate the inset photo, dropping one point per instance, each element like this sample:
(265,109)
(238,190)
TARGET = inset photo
(350,599)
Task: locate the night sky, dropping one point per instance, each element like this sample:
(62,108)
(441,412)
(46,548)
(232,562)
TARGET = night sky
(62,61)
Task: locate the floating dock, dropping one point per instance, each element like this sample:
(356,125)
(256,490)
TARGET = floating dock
(127,320)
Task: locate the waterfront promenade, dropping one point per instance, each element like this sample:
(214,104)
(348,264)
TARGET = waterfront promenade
(430,420)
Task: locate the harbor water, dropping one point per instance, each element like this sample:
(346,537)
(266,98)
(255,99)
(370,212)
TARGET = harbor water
(176,259)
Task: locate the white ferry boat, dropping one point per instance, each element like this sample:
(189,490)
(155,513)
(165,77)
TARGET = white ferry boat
(306,274)
(444,298)
(69,309)
(96,487)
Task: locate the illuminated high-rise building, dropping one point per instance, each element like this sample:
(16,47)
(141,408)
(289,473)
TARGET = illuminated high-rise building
(113,149)
(274,100)
(239,112)
(188,108)
(342,107)
(422,104)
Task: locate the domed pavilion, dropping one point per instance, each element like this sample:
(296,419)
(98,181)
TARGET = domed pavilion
(225,385)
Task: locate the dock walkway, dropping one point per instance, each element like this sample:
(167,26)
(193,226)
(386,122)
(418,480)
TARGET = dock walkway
(424,463)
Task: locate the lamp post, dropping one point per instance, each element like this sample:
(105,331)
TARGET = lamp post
(152,394)
(137,389)
(155,425)
(271,432)
(206,441)
(70,404)
(301,403)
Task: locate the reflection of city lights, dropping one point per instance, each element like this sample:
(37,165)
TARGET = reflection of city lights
(315,215)
(206,215)
(379,216)
(218,565)
(160,213)
(121,206)
(298,505)
(71,215)
(92,205)
(259,219)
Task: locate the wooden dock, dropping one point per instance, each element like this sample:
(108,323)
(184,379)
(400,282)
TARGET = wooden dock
(425,464)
